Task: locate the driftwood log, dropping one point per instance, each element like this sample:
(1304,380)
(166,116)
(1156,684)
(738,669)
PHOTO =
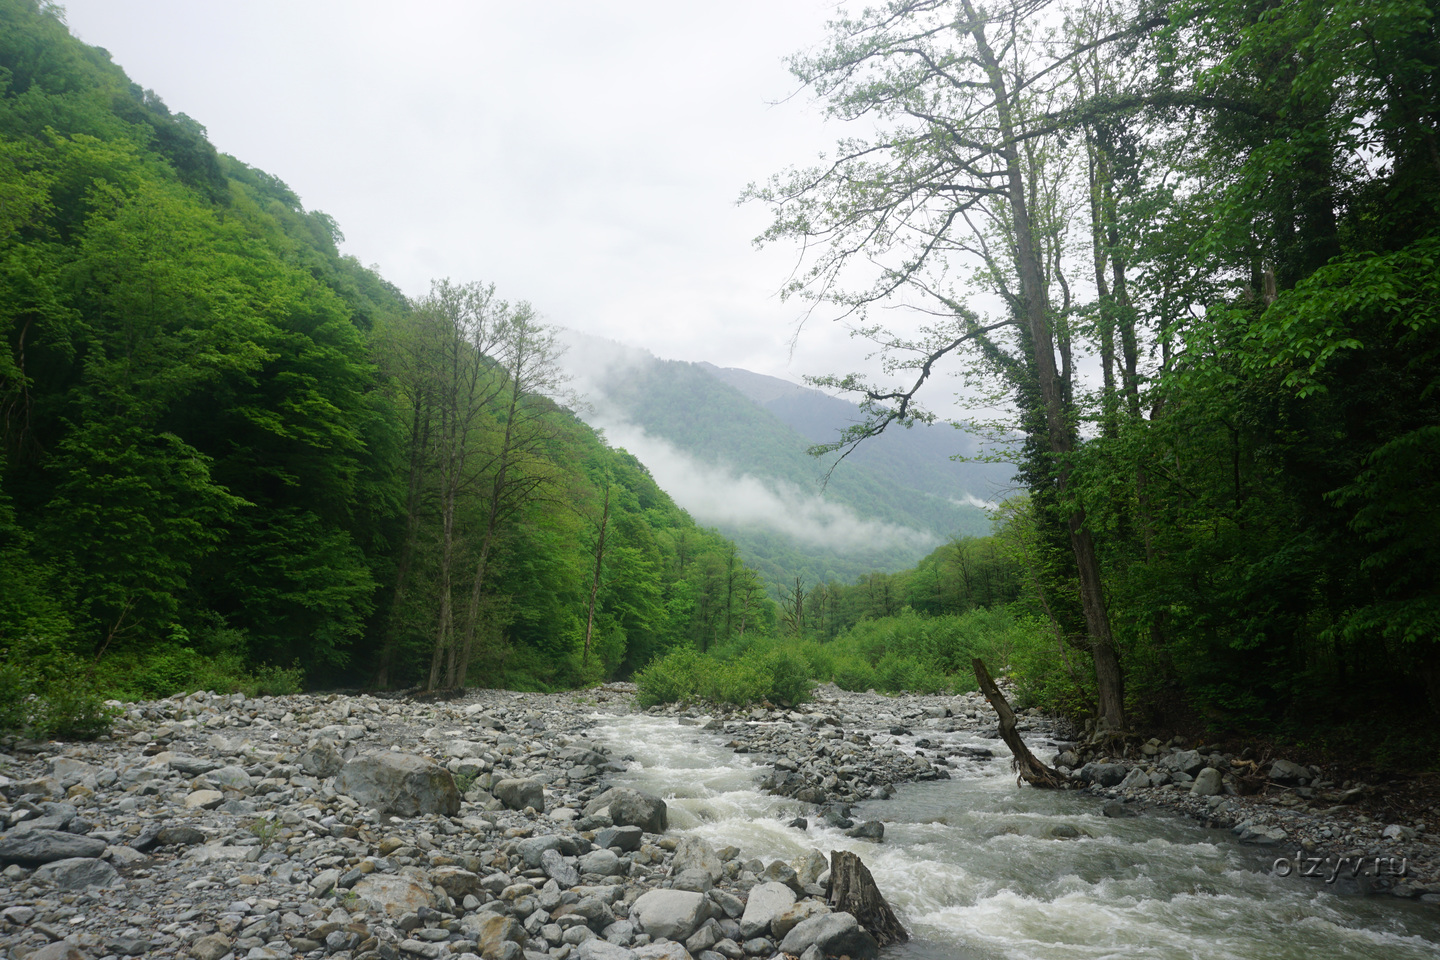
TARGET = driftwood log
(1026,767)
(852,890)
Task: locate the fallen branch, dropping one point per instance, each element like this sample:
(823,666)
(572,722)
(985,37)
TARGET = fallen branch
(1026,767)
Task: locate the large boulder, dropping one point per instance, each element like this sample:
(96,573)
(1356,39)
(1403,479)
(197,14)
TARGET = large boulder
(787,920)
(767,900)
(35,847)
(834,934)
(674,914)
(629,807)
(400,783)
(1284,771)
(519,794)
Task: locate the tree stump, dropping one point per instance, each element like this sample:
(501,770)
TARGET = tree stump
(1026,767)
(852,890)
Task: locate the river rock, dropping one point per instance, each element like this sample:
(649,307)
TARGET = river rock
(60,950)
(495,932)
(834,934)
(399,783)
(1104,774)
(787,920)
(36,847)
(1207,783)
(674,914)
(602,950)
(518,794)
(394,895)
(1283,771)
(668,950)
(868,830)
(631,807)
(77,873)
(602,863)
(767,900)
(557,869)
(321,760)
(627,838)
(692,853)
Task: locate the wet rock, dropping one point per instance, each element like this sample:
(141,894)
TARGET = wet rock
(869,830)
(629,807)
(787,920)
(1104,774)
(557,869)
(1115,809)
(834,934)
(399,783)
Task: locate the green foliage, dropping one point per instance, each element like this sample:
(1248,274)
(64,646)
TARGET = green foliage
(761,673)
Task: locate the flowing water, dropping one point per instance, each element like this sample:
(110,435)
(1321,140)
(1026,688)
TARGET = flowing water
(977,867)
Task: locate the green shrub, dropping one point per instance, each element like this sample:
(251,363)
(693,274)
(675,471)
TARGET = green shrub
(670,678)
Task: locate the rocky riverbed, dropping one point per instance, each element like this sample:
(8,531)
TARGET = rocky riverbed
(356,827)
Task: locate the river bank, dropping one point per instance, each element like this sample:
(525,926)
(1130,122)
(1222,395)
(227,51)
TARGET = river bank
(216,827)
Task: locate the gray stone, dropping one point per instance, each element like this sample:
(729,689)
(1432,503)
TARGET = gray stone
(674,914)
(1207,783)
(692,853)
(1105,774)
(811,867)
(603,863)
(631,807)
(179,835)
(1116,810)
(77,873)
(394,895)
(868,830)
(731,905)
(495,931)
(519,794)
(399,783)
(60,950)
(662,951)
(1283,771)
(602,950)
(212,947)
(626,838)
(835,934)
(787,920)
(532,849)
(556,868)
(767,900)
(697,880)
(36,847)
(321,760)
(1186,761)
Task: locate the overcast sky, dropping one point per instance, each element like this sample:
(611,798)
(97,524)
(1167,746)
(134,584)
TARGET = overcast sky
(586,157)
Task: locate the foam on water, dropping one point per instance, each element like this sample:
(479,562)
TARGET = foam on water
(974,871)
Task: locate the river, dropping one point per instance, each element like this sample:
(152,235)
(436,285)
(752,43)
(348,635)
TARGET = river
(977,867)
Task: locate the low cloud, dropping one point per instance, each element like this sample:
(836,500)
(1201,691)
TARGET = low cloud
(718,495)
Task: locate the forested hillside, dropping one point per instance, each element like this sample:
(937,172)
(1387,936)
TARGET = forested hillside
(233,455)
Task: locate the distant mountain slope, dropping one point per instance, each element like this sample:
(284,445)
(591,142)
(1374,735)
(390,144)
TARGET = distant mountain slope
(919,457)
(720,446)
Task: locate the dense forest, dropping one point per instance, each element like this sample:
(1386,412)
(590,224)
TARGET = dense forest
(234,457)
(1190,248)
(1211,232)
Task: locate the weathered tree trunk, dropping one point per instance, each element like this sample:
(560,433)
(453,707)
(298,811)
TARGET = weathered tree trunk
(595,582)
(1027,768)
(852,890)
